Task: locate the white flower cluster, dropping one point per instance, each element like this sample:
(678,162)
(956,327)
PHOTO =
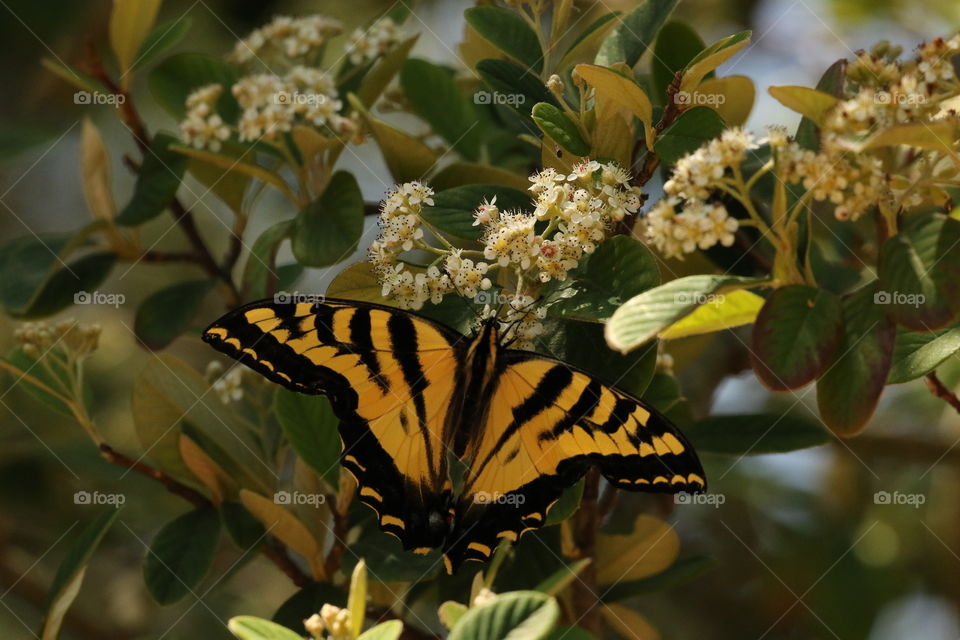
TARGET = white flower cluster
(698,224)
(573,214)
(851,183)
(697,173)
(286,38)
(401,230)
(228,386)
(583,207)
(366,45)
(203,127)
(272,104)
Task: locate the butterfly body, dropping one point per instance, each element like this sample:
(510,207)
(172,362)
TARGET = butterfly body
(411,392)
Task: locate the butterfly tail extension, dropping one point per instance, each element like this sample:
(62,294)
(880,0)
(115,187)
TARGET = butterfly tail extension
(483,520)
(416,514)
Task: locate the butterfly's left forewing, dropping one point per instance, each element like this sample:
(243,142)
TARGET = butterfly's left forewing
(546,424)
(390,377)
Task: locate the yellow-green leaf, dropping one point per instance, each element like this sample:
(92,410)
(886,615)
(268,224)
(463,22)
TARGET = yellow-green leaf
(204,468)
(357,282)
(357,600)
(731,96)
(935,136)
(809,102)
(458,174)
(621,89)
(377,79)
(130,24)
(721,311)
(287,528)
(650,548)
(232,164)
(407,157)
(628,623)
(95,168)
(711,58)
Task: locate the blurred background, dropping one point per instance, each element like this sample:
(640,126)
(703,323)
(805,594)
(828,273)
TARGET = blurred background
(803,547)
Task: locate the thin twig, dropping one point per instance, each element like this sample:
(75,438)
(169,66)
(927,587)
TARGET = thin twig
(181,214)
(273,549)
(940,390)
(172,485)
(585,528)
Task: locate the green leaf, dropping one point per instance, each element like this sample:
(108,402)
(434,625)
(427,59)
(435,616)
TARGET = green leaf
(245,530)
(39,276)
(564,507)
(261,275)
(917,353)
(920,273)
(508,32)
(164,37)
(386,559)
(687,133)
(328,229)
(311,428)
(56,380)
(562,577)
(69,577)
(755,433)
(645,315)
(618,270)
(635,33)
(663,392)
(795,336)
(379,77)
(848,392)
(251,628)
(452,210)
(407,158)
(560,128)
(157,182)
(80,80)
(582,345)
(306,602)
(434,96)
(181,554)
(389,630)
(167,313)
(677,44)
(570,633)
(178,76)
(517,615)
(832,83)
(588,40)
(510,79)
(683,570)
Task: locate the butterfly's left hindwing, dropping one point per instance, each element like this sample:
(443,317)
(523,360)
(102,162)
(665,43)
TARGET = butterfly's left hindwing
(546,424)
(390,376)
